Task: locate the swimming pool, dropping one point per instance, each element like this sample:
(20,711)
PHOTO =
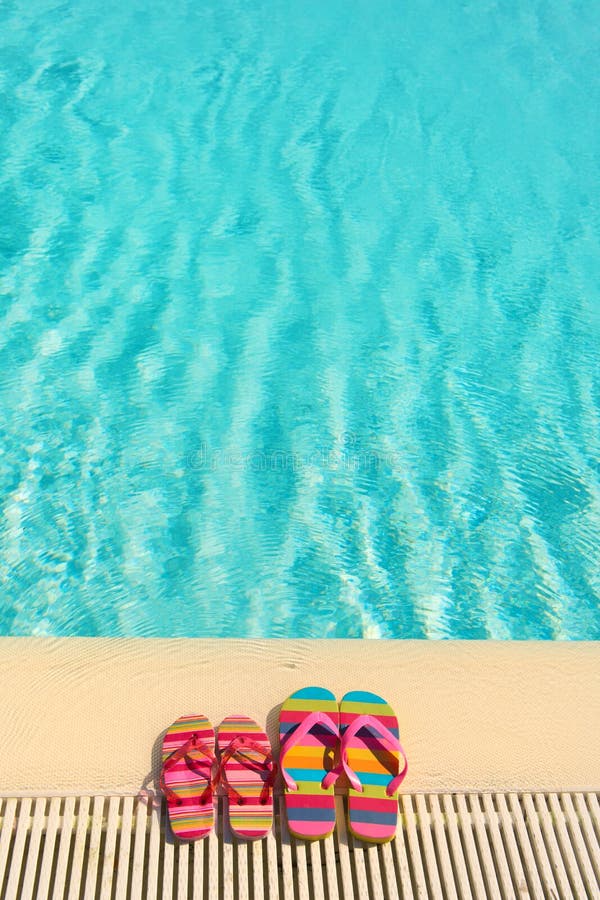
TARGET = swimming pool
(299,319)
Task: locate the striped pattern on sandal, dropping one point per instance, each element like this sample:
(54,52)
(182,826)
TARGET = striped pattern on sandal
(312,715)
(371,750)
(186,778)
(247,773)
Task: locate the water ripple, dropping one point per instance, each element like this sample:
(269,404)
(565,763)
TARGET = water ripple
(299,320)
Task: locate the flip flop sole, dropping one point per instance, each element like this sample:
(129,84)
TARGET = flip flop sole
(188,817)
(372,815)
(251,819)
(311,808)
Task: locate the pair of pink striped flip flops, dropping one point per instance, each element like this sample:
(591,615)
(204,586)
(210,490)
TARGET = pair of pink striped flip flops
(192,772)
(321,740)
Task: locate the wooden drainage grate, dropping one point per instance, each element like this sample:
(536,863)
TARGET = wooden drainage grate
(447,846)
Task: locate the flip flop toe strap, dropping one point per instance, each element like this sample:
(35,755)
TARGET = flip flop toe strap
(385,737)
(183,752)
(235,749)
(295,737)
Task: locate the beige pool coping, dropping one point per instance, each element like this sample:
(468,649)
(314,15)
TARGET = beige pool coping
(86,715)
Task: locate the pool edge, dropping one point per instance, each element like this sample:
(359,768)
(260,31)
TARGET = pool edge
(86,714)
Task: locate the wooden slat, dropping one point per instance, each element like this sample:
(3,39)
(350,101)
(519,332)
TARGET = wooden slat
(537,842)
(213,865)
(35,836)
(493,820)
(566,846)
(272,878)
(390,881)
(591,839)
(153,850)
(241,850)
(81,834)
(455,846)
(594,807)
(357,859)
(416,860)
(65,836)
(458,855)
(483,843)
(314,849)
(547,826)
(124,849)
(8,817)
(401,860)
(341,838)
(468,843)
(168,860)
(183,853)
(529,864)
(139,847)
(578,843)
(302,884)
(512,847)
(197,869)
(433,876)
(331,868)
(43,890)
(374,871)
(228,856)
(258,877)
(18,859)
(439,832)
(93,854)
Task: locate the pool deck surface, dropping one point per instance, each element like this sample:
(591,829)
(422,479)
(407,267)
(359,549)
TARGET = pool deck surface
(87,715)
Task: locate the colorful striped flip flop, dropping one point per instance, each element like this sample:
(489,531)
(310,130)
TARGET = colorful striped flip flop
(247,771)
(186,778)
(370,752)
(308,736)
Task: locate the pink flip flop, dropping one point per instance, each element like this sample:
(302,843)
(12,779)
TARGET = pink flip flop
(186,777)
(370,754)
(247,771)
(308,736)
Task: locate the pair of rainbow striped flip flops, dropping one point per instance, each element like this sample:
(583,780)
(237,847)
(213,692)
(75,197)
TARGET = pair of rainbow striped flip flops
(321,740)
(192,771)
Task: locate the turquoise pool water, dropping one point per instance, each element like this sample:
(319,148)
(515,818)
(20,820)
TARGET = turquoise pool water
(300,318)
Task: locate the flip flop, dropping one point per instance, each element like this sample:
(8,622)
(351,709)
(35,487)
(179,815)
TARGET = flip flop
(370,757)
(186,777)
(247,771)
(308,736)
